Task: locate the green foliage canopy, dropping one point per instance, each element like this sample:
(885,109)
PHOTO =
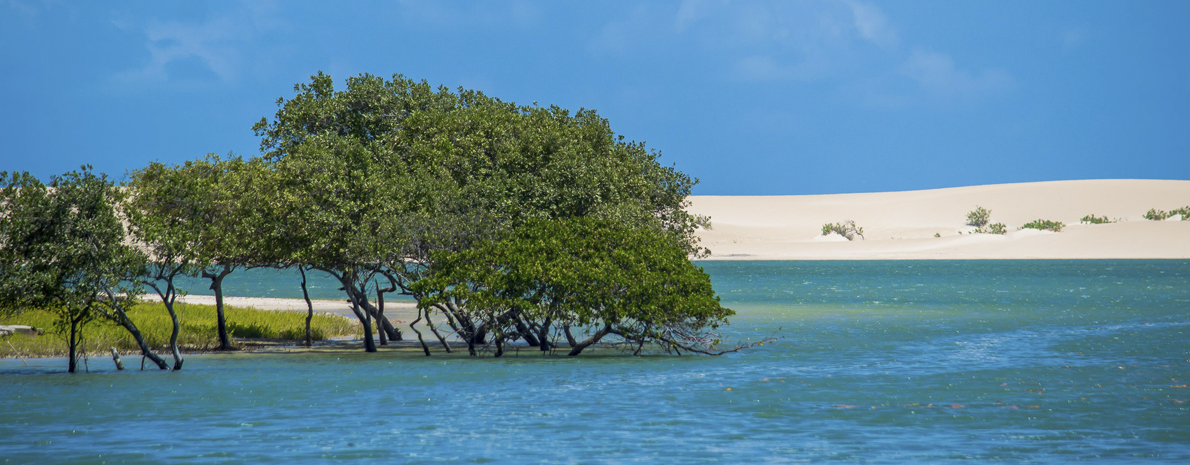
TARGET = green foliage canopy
(637,284)
(474,162)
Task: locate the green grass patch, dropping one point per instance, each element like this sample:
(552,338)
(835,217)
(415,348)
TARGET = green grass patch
(198,332)
(1092,219)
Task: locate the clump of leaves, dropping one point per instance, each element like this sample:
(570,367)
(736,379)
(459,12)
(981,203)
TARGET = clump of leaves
(937,234)
(978,217)
(1184,211)
(1157,215)
(1044,225)
(846,229)
(1092,219)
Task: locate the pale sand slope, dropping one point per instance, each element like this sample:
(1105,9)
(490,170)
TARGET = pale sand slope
(901,225)
(397,312)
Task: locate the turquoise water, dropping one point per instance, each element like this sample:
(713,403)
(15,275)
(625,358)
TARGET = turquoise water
(882,361)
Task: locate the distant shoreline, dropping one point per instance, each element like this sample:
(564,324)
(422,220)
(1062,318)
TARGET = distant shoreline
(397,312)
(903,225)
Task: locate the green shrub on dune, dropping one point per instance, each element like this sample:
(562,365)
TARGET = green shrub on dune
(1161,215)
(978,217)
(846,229)
(1044,225)
(1092,219)
(1156,215)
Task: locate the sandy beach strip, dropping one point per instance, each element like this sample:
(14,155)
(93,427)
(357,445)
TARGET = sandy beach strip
(902,225)
(397,312)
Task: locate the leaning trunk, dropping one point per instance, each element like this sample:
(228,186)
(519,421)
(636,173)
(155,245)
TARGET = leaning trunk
(221,319)
(544,335)
(309,309)
(382,323)
(380,317)
(73,364)
(425,348)
(441,339)
(578,349)
(387,326)
(140,341)
(173,335)
(526,332)
(366,321)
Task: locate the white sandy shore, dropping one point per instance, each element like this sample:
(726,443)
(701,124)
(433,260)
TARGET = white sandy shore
(901,225)
(397,312)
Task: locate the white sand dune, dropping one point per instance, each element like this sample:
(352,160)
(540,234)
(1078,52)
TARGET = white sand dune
(901,225)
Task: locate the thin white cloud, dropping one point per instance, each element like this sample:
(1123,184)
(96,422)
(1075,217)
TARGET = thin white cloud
(692,11)
(488,14)
(810,41)
(215,45)
(767,68)
(936,73)
(1073,38)
(871,24)
(628,33)
(25,10)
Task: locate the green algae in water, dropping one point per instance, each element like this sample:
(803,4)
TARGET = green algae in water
(883,361)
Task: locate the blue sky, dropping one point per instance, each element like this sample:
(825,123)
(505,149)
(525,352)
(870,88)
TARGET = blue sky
(754,98)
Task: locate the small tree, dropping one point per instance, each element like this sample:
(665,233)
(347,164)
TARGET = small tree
(62,249)
(165,215)
(846,229)
(581,277)
(978,217)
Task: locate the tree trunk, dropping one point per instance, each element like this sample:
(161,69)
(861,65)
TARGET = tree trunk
(309,309)
(382,323)
(394,333)
(544,335)
(589,341)
(425,348)
(116,359)
(73,364)
(526,333)
(434,330)
(140,341)
(365,319)
(173,335)
(380,319)
(221,320)
(569,337)
(357,299)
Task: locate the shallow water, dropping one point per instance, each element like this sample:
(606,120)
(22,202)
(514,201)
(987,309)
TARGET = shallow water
(883,361)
